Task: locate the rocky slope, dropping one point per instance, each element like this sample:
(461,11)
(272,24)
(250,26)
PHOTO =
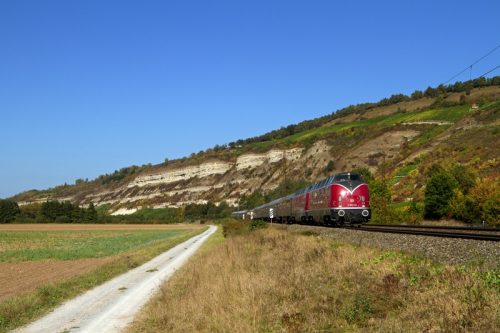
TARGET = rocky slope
(384,139)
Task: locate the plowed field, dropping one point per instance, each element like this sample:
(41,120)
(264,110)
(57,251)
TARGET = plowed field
(22,277)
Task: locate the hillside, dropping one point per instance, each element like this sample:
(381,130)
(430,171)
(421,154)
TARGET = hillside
(397,138)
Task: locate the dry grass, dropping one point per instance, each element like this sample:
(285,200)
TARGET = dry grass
(273,281)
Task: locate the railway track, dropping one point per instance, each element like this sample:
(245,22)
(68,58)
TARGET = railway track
(487,234)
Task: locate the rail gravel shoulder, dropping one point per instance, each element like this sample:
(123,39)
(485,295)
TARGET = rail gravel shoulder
(486,234)
(455,251)
(111,307)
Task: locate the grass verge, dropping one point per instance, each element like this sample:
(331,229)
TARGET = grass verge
(271,280)
(22,309)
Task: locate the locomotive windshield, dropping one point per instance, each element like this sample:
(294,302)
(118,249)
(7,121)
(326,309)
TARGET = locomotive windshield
(344,177)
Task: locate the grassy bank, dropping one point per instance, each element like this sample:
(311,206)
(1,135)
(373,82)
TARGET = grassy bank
(270,280)
(17,311)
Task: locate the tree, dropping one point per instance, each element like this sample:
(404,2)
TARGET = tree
(417,94)
(91,214)
(380,200)
(439,192)
(8,211)
(465,177)
(431,92)
(486,196)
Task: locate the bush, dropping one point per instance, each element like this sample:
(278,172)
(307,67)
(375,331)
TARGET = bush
(463,208)
(438,193)
(233,227)
(465,177)
(482,203)
(330,167)
(257,224)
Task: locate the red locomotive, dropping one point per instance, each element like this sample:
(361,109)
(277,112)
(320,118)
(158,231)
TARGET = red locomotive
(343,198)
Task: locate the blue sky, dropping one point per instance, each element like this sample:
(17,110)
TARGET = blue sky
(87,87)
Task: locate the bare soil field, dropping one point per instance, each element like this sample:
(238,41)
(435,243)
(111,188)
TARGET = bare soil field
(70,227)
(23,277)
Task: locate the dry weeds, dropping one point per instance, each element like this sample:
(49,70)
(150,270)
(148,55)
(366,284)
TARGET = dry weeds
(274,281)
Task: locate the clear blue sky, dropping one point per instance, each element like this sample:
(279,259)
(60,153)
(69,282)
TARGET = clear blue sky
(87,87)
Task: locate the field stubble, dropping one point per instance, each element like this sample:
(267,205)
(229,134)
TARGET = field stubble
(274,281)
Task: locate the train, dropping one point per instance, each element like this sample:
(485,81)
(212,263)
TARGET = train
(337,200)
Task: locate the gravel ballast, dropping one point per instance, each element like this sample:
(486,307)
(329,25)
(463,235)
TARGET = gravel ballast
(445,250)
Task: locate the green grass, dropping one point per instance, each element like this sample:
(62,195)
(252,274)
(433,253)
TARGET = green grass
(71,245)
(401,173)
(428,135)
(20,310)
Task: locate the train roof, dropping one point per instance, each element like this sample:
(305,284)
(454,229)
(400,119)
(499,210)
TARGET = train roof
(342,177)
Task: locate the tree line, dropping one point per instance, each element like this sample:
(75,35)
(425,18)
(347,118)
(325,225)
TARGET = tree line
(50,211)
(439,91)
(66,212)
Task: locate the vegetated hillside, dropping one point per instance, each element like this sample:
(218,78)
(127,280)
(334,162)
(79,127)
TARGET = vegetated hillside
(398,139)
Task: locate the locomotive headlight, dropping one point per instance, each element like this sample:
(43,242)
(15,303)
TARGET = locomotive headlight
(365,213)
(341,212)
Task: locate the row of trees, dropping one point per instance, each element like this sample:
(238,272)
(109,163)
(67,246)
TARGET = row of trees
(206,211)
(50,211)
(66,212)
(438,91)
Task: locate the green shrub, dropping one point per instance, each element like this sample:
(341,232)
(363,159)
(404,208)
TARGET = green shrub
(438,193)
(257,224)
(231,227)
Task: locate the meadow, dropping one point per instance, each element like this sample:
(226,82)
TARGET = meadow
(272,280)
(43,265)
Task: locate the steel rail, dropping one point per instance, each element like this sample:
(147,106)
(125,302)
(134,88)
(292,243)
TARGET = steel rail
(395,230)
(437,227)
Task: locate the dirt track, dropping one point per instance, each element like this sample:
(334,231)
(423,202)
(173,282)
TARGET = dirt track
(112,306)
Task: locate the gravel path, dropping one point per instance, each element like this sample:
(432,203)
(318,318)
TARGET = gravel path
(112,306)
(446,250)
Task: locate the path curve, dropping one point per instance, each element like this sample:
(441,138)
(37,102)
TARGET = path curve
(112,306)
